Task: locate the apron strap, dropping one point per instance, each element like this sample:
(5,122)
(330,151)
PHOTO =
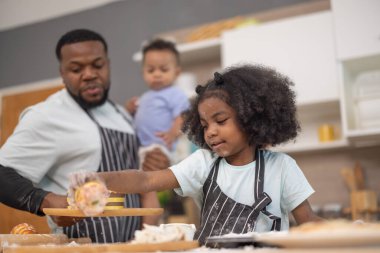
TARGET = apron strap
(262,199)
(276,226)
(129,121)
(259,175)
(122,114)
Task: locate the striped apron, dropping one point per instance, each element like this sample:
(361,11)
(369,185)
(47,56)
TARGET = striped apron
(119,152)
(222,215)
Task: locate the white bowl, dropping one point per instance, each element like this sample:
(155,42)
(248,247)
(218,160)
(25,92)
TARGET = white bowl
(187,229)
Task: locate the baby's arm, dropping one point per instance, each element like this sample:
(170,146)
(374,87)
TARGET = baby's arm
(303,213)
(175,131)
(138,181)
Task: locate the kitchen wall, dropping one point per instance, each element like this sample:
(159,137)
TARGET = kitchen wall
(27,53)
(323,169)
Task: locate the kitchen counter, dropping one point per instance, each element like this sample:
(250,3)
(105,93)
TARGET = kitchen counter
(173,247)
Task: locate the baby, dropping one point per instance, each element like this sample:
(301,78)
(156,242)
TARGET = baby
(158,112)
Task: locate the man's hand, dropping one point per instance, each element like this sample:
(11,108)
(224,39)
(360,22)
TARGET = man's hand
(52,200)
(155,160)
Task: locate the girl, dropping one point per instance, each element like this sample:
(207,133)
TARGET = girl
(239,184)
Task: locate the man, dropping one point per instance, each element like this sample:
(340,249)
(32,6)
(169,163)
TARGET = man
(77,128)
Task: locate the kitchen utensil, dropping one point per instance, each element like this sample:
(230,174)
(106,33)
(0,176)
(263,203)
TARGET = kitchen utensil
(349,178)
(187,229)
(229,242)
(359,177)
(364,205)
(106,213)
(235,241)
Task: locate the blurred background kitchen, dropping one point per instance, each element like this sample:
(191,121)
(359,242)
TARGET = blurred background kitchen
(331,49)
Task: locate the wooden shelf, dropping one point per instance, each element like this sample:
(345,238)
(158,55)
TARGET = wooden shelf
(313,147)
(364,137)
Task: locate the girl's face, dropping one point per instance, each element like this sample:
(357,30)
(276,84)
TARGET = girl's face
(222,132)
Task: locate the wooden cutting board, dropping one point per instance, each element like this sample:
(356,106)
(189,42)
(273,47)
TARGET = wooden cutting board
(95,248)
(32,239)
(38,239)
(106,213)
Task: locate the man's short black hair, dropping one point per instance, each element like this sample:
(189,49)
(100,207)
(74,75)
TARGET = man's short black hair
(78,35)
(161,44)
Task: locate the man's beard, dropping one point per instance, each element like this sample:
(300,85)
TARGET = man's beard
(89,105)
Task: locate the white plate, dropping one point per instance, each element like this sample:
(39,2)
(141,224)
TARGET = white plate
(359,238)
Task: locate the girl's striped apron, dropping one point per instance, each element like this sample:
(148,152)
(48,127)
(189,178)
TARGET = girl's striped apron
(222,215)
(119,152)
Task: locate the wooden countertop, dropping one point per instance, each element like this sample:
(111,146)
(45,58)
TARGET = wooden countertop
(172,247)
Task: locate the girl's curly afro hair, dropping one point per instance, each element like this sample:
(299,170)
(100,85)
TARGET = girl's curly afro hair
(262,99)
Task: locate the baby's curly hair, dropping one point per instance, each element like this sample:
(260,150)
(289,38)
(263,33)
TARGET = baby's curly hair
(262,99)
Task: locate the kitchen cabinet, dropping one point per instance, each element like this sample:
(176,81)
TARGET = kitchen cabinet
(358,50)
(302,48)
(357,29)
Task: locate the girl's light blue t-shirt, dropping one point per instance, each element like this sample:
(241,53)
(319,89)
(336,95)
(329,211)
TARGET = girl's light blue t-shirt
(284,182)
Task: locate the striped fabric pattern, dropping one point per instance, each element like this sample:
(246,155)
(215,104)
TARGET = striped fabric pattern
(119,152)
(222,215)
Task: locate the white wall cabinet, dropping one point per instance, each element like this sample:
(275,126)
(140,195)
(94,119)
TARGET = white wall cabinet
(357,27)
(357,30)
(301,47)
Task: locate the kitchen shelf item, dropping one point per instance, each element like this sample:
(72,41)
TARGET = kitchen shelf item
(106,213)
(326,133)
